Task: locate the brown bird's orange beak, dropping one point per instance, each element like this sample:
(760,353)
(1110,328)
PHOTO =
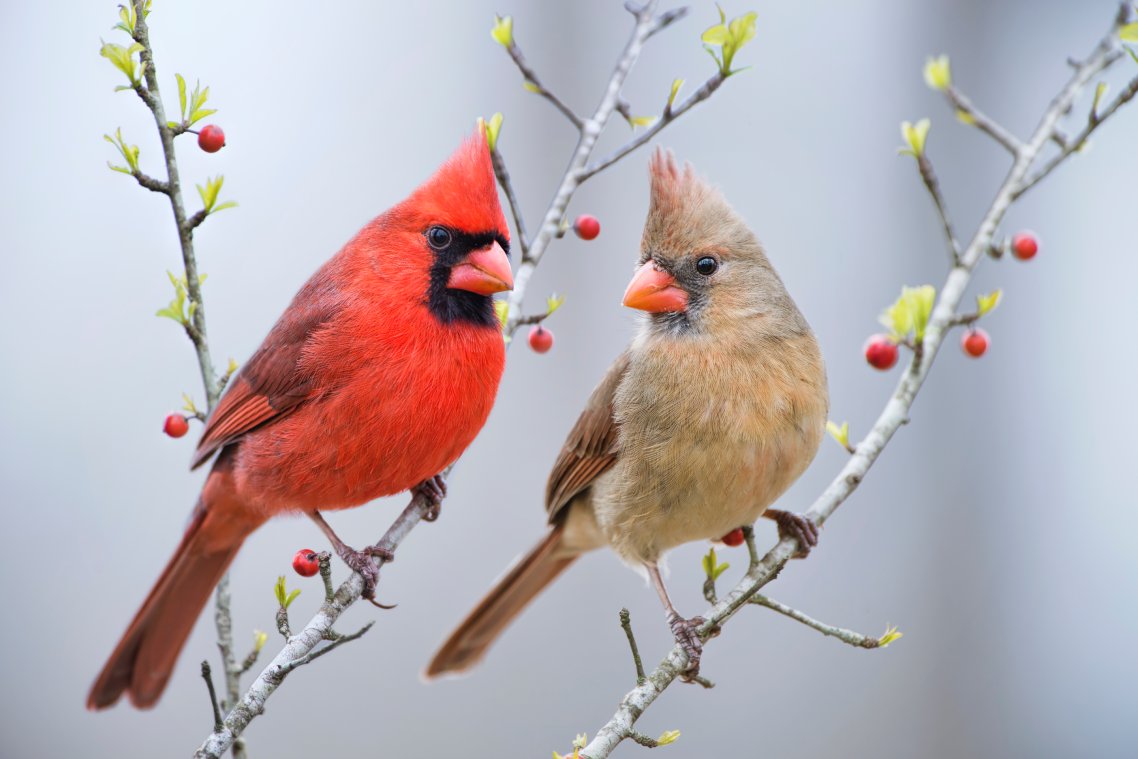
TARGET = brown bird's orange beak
(654,290)
(485,271)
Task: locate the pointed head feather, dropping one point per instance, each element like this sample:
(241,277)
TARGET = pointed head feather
(686,213)
(462,194)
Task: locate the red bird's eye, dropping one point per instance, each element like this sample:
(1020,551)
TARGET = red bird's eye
(438,237)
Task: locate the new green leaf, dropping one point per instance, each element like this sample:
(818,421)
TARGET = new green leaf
(729,37)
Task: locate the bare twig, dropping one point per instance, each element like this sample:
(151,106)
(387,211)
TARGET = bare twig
(536,86)
(842,634)
(579,169)
(207,675)
(895,413)
(1077,142)
(667,117)
(982,121)
(503,176)
(626,623)
(153,99)
(925,166)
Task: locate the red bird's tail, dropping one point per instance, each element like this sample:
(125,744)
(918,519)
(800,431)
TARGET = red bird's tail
(145,656)
(506,600)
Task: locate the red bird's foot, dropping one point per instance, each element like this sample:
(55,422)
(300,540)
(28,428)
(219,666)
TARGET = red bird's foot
(361,563)
(686,635)
(791,525)
(434,490)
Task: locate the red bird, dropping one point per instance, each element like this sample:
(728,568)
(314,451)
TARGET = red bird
(378,375)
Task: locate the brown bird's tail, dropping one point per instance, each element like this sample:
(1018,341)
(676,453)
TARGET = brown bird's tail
(473,637)
(145,656)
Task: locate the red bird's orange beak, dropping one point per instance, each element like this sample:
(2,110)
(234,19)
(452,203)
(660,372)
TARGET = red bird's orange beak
(485,271)
(654,290)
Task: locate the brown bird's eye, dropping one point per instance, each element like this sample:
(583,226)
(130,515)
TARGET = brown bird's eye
(706,266)
(438,237)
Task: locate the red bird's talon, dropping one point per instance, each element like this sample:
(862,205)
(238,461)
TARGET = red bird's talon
(378,605)
(434,490)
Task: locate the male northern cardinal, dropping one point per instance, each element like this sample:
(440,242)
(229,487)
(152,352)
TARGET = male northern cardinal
(377,376)
(716,407)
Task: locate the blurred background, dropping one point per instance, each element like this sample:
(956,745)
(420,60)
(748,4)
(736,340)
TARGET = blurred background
(997,531)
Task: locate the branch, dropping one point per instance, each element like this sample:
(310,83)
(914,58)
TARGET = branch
(515,208)
(626,623)
(982,121)
(925,166)
(667,117)
(647,24)
(536,86)
(841,633)
(153,99)
(301,648)
(895,413)
(1080,140)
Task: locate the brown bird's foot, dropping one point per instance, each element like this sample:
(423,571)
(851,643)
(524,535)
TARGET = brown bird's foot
(687,637)
(791,525)
(434,490)
(360,561)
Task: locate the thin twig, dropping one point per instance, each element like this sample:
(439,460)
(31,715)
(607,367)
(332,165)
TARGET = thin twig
(537,87)
(152,97)
(325,560)
(842,634)
(503,176)
(337,641)
(925,166)
(667,117)
(961,104)
(895,413)
(1077,142)
(207,675)
(626,623)
(578,170)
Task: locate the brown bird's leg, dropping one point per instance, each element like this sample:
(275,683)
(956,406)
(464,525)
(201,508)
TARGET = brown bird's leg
(795,526)
(684,630)
(357,561)
(434,489)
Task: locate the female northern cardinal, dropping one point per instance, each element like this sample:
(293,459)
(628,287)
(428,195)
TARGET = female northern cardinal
(716,407)
(377,376)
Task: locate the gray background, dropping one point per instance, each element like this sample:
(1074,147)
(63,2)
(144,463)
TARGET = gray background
(997,530)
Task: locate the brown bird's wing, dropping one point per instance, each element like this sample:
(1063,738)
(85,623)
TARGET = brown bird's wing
(591,448)
(272,383)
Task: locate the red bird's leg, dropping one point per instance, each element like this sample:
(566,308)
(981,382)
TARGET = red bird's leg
(683,630)
(358,561)
(434,489)
(791,525)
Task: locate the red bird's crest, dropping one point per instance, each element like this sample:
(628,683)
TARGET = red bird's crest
(462,194)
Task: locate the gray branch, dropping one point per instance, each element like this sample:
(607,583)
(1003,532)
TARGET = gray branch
(895,413)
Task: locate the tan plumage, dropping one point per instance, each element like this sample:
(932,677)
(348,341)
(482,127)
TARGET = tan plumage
(716,407)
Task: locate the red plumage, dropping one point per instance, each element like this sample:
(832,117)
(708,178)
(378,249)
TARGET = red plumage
(378,375)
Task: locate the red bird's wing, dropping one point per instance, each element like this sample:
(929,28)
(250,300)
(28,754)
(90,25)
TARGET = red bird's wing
(591,448)
(273,383)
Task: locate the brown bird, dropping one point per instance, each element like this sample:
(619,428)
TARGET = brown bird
(716,407)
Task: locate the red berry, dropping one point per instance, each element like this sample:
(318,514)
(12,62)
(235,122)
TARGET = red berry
(305,562)
(211,139)
(975,342)
(176,425)
(540,339)
(587,227)
(881,352)
(733,538)
(1025,246)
